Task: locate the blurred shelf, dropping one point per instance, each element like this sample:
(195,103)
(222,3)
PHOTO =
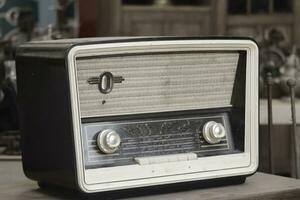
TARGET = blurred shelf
(281,111)
(165,8)
(10,157)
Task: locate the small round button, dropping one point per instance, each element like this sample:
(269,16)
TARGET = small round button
(213,132)
(108,141)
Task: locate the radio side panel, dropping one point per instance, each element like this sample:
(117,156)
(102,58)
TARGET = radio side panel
(47,141)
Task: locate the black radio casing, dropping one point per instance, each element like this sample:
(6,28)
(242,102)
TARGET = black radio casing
(60,130)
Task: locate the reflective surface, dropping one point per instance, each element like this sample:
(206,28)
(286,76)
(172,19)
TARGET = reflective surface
(144,138)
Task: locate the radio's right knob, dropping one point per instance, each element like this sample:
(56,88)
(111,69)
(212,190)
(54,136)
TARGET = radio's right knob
(213,132)
(108,141)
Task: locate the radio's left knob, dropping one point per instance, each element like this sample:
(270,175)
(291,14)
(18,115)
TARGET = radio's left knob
(108,141)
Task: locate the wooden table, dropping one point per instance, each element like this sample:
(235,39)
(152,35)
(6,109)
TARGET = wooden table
(15,186)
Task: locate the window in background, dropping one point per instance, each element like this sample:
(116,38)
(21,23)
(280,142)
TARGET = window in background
(135,2)
(249,7)
(237,6)
(259,6)
(283,6)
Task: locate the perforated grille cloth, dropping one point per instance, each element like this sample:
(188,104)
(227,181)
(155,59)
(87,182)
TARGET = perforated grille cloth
(157,82)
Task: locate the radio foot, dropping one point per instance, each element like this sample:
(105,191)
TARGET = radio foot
(43,185)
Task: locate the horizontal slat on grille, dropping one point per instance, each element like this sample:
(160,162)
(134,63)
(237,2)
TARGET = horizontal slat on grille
(157,83)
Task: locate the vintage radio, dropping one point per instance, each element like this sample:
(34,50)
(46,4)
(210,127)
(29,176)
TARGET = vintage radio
(119,113)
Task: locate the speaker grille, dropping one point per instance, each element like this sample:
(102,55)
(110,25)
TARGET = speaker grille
(157,82)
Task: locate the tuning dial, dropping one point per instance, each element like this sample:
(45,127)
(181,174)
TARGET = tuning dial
(213,132)
(108,141)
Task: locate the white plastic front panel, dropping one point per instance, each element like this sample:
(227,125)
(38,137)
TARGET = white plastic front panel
(104,179)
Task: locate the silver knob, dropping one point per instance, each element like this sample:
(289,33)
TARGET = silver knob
(108,141)
(213,132)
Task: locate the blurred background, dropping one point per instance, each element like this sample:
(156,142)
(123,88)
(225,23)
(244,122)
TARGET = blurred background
(274,24)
